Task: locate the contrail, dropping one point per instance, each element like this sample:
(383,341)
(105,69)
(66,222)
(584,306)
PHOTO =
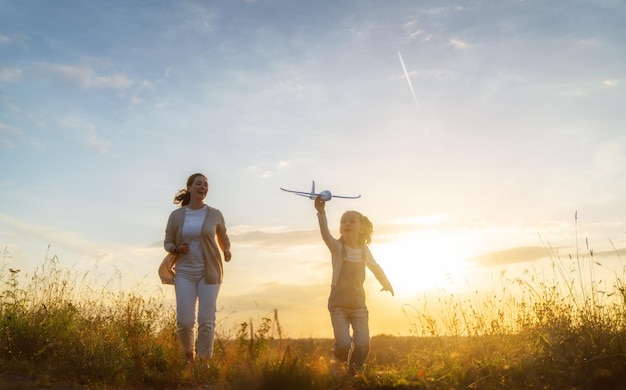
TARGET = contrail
(408,79)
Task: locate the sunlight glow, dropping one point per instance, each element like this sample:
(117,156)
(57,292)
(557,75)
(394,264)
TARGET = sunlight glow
(420,262)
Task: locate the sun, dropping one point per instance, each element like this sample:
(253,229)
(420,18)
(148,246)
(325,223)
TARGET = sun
(419,262)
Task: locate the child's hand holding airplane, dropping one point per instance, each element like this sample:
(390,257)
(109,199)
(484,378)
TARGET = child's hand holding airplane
(319,204)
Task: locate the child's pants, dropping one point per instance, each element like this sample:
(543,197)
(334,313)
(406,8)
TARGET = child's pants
(190,290)
(344,349)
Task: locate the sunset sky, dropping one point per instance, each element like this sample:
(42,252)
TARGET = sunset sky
(474,131)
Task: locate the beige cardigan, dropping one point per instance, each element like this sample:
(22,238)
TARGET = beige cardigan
(212,228)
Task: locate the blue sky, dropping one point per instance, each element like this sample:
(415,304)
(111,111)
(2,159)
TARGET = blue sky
(516,123)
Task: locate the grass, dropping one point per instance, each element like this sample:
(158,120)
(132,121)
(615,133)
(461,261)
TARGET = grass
(566,331)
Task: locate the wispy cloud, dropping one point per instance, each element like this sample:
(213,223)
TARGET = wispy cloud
(265,170)
(278,236)
(442,10)
(411,28)
(12,137)
(10,74)
(93,141)
(84,76)
(280,294)
(11,40)
(87,133)
(8,135)
(457,43)
(511,256)
(587,42)
(60,237)
(276,240)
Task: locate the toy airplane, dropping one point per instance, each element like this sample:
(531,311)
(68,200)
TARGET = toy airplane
(324,195)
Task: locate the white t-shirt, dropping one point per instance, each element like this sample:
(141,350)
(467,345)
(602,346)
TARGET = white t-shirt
(354,255)
(192,262)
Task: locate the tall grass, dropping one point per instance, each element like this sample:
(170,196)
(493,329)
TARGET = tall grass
(48,325)
(551,331)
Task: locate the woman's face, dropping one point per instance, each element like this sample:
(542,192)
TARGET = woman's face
(199,188)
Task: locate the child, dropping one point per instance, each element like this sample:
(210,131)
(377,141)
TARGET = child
(346,304)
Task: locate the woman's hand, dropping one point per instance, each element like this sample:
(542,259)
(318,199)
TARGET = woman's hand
(319,204)
(227,255)
(181,249)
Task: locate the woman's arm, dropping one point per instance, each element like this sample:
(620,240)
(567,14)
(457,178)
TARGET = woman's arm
(170,235)
(222,238)
(171,231)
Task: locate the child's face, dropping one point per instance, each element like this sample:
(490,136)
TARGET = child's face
(350,225)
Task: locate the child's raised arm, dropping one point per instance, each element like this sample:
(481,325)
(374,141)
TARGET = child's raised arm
(321,218)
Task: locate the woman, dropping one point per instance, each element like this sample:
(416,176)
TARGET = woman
(191,234)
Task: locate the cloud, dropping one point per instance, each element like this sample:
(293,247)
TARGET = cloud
(442,10)
(277,237)
(146,85)
(411,29)
(611,83)
(614,252)
(279,299)
(84,76)
(440,74)
(10,74)
(87,134)
(11,137)
(511,256)
(457,44)
(62,238)
(8,134)
(10,40)
(93,141)
(265,170)
(587,42)
(281,295)
(275,240)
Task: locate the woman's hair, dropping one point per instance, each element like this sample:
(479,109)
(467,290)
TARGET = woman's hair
(183,196)
(364,238)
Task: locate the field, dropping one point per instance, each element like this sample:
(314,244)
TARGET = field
(55,333)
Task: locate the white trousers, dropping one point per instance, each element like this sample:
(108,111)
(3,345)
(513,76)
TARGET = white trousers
(189,291)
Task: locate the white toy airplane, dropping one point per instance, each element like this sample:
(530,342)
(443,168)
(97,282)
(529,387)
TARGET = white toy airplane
(324,195)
